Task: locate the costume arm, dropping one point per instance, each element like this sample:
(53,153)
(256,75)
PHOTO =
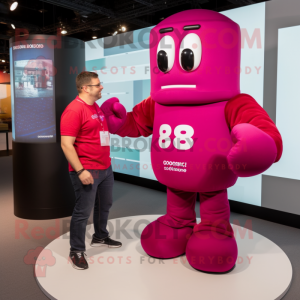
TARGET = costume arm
(139,122)
(244,109)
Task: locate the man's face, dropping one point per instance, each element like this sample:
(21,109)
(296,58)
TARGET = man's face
(94,88)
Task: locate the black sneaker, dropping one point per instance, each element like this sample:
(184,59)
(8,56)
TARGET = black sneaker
(105,242)
(78,260)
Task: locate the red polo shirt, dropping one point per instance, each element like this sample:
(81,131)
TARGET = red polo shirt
(85,122)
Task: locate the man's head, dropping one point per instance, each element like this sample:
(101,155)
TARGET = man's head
(88,84)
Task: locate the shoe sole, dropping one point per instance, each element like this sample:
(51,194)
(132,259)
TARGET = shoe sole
(100,245)
(77,268)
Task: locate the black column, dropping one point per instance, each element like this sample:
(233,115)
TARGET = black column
(42,187)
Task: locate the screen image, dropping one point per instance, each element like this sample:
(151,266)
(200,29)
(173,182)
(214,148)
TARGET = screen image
(34,101)
(33,78)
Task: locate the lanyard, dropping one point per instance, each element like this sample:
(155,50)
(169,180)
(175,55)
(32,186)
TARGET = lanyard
(100,116)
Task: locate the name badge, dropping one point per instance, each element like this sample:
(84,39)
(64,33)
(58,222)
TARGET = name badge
(104,138)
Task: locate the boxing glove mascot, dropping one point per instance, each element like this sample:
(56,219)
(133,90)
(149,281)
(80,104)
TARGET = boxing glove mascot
(206,134)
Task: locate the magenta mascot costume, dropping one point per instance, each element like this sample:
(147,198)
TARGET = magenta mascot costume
(205,134)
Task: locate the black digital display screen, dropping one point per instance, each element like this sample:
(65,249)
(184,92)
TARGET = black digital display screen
(34,92)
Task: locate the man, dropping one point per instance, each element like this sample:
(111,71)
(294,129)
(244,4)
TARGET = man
(85,143)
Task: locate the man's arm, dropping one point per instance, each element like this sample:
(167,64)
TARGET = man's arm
(67,145)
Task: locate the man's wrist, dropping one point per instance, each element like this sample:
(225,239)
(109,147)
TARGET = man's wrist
(79,172)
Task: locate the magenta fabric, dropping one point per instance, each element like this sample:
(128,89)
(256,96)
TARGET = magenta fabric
(214,213)
(211,252)
(212,113)
(205,162)
(214,82)
(168,235)
(212,247)
(162,241)
(180,209)
(115,114)
(253,152)
(139,122)
(244,109)
(240,109)
(218,75)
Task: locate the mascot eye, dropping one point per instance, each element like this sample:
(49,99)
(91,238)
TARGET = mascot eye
(166,54)
(190,52)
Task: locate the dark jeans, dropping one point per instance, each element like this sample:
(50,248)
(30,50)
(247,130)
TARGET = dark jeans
(99,196)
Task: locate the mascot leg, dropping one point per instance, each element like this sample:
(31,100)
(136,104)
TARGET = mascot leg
(212,247)
(168,235)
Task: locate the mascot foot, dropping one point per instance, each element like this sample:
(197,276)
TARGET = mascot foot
(161,241)
(212,252)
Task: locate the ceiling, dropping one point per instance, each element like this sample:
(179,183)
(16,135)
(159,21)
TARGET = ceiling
(86,18)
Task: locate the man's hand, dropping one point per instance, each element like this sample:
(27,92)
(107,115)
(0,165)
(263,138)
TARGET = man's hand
(115,114)
(67,145)
(86,178)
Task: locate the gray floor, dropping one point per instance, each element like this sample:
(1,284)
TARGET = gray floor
(17,281)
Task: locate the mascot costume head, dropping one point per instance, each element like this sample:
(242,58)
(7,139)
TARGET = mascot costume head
(198,50)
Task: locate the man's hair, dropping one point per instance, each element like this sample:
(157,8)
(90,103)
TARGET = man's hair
(84,78)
